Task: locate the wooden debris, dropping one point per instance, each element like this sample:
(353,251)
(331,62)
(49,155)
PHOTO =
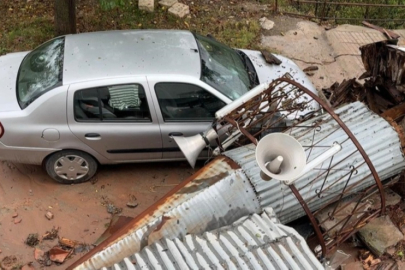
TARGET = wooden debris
(270,58)
(67,242)
(388,33)
(52,234)
(310,68)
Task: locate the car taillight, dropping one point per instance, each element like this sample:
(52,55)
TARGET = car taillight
(1,130)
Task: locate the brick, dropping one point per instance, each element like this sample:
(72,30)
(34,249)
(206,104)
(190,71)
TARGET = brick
(179,10)
(167,3)
(147,5)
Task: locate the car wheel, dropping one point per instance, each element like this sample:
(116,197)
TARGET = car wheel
(71,166)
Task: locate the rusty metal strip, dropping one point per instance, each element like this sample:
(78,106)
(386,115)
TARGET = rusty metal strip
(149,211)
(311,218)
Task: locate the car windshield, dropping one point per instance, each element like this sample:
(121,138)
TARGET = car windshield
(222,68)
(40,71)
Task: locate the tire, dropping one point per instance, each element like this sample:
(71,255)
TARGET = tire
(79,167)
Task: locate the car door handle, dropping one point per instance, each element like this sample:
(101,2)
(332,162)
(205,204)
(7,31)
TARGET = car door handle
(175,134)
(92,136)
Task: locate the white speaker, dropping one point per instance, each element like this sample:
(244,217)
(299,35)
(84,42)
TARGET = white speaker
(281,157)
(193,145)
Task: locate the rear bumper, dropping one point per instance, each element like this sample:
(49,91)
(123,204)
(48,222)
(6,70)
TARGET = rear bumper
(26,155)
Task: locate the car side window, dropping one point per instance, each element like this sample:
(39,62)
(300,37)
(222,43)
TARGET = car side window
(185,102)
(126,102)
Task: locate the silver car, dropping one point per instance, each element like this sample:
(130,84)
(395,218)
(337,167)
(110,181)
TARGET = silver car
(78,101)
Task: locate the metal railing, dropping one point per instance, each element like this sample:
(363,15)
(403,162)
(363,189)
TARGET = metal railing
(385,14)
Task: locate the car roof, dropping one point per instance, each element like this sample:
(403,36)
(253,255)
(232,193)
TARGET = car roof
(100,55)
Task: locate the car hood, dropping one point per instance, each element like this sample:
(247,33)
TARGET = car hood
(9,65)
(269,72)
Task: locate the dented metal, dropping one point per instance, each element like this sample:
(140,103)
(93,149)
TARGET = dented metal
(254,242)
(230,187)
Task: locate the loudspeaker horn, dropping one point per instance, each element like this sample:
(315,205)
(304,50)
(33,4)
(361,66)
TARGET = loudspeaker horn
(193,145)
(281,157)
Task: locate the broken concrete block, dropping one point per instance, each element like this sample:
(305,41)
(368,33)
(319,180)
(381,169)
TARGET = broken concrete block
(380,234)
(266,24)
(49,215)
(167,3)
(147,5)
(179,10)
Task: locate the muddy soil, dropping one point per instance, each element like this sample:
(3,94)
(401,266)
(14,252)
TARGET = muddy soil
(27,193)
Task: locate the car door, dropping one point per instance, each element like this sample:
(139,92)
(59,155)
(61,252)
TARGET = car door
(117,119)
(184,109)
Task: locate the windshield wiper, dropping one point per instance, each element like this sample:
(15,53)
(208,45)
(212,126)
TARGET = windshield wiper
(253,78)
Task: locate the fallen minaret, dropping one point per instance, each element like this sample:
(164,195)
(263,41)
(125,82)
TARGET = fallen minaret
(232,186)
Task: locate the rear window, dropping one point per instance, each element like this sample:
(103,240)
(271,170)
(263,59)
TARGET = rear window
(40,71)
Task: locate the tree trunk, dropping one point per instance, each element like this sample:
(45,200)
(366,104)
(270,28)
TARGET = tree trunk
(65,17)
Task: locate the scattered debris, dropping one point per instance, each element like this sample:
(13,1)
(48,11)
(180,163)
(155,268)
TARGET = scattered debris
(266,24)
(39,254)
(132,203)
(32,240)
(146,5)
(15,215)
(380,234)
(388,33)
(59,255)
(310,68)
(17,220)
(179,10)
(49,215)
(52,234)
(270,58)
(368,260)
(384,88)
(68,243)
(111,208)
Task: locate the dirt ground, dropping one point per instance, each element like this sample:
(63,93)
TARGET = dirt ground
(79,210)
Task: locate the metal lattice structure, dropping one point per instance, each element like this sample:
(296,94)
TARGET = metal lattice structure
(335,194)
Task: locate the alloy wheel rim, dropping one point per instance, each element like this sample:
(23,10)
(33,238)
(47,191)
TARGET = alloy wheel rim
(71,167)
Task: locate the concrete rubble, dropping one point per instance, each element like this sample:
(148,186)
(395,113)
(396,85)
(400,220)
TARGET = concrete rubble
(266,24)
(146,5)
(179,10)
(167,3)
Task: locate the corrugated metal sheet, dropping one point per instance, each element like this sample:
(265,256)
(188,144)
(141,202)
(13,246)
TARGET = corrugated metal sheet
(379,140)
(254,242)
(216,197)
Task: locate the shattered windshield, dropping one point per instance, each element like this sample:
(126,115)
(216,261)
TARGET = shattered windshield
(222,68)
(40,71)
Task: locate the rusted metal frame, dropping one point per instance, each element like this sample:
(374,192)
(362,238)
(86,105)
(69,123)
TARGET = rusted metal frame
(347,4)
(324,180)
(323,10)
(343,191)
(311,218)
(347,234)
(343,176)
(333,200)
(148,212)
(241,129)
(323,171)
(327,232)
(352,137)
(351,215)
